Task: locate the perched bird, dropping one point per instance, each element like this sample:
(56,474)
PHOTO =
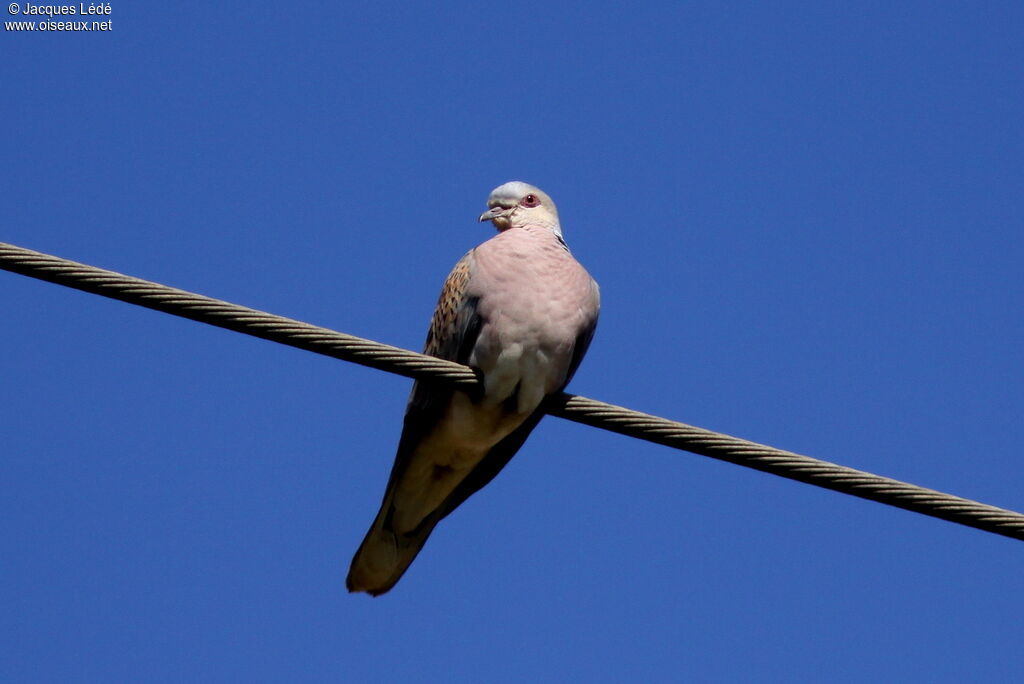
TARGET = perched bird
(521,311)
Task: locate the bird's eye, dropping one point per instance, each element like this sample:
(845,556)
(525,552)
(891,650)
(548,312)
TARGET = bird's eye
(531,201)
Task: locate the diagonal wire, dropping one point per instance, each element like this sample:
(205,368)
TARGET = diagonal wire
(571,407)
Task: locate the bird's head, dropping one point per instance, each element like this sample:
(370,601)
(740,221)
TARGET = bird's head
(517,204)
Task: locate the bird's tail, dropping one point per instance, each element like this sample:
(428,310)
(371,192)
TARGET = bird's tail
(385,555)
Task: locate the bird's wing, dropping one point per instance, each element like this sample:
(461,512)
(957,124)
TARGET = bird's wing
(454,328)
(386,553)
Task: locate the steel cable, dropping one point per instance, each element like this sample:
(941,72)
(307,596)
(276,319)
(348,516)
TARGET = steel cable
(571,407)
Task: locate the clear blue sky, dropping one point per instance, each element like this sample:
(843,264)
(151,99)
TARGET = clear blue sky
(808,225)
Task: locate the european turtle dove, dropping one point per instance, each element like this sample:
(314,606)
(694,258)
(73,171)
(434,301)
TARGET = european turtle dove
(521,311)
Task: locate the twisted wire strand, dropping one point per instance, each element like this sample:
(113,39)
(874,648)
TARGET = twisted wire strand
(571,407)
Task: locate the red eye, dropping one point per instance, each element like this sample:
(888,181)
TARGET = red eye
(531,201)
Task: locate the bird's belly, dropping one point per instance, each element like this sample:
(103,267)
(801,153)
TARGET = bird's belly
(461,439)
(519,372)
(472,428)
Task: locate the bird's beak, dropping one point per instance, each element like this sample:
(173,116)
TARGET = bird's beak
(495,213)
